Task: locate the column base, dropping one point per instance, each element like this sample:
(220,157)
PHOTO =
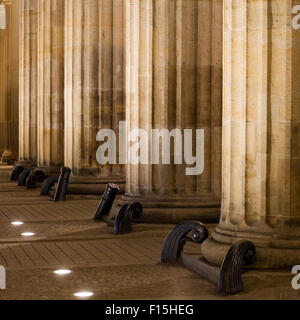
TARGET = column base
(92,185)
(277,250)
(49,171)
(25,163)
(7,158)
(176,209)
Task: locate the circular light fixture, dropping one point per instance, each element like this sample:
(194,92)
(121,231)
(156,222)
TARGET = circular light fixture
(27,234)
(83,294)
(17,223)
(62,272)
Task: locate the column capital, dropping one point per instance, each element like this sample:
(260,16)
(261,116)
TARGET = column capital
(6,2)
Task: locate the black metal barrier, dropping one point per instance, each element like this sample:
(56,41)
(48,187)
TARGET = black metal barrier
(34,177)
(14,176)
(47,185)
(107,201)
(126,214)
(228,278)
(23,177)
(62,186)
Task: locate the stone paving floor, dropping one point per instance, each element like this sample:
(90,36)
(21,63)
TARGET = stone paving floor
(112,267)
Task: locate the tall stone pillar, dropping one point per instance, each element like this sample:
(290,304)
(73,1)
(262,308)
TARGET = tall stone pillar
(28,84)
(2,79)
(50,86)
(174,81)
(261,133)
(9,84)
(93,89)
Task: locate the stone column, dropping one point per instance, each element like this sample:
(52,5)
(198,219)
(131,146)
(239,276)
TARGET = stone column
(2,81)
(93,89)
(28,84)
(261,133)
(9,84)
(174,81)
(50,87)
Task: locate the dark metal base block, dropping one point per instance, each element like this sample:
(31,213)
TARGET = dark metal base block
(16,172)
(34,177)
(200,266)
(23,177)
(47,185)
(126,213)
(228,278)
(174,243)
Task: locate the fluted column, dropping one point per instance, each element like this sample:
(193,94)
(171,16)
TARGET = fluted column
(9,84)
(28,83)
(261,133)
(93,88)
(2,80)
(50,111)
(174,81)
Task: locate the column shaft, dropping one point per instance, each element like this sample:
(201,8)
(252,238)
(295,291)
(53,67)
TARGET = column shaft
(93,88)
(9,83)
(174,81)
(50,112)
(28,83)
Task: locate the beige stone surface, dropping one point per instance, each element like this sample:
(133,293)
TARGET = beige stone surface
(9,83)
(28,82)
(93,83)
(173,53)
(50,85)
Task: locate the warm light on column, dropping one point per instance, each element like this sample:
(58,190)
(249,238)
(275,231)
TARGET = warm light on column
(2,17)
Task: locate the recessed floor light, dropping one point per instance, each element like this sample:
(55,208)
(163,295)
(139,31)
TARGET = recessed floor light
(62,272)
(27,234)
(83,294)
(17,223)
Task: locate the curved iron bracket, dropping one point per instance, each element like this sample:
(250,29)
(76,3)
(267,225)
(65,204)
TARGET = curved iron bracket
(47,185)
(106,202)
(62,187)
(34,177)
(230,277)
(23,177)
(177,238)
(16,172)
(126,216)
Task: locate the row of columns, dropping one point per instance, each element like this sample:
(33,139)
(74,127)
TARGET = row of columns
(171,77)
(93,88)
(87,65)
(173,54)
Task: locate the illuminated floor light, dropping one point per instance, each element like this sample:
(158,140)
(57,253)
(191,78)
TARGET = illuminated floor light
(17,223)
(62,272)
(83,294)
(27,234)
